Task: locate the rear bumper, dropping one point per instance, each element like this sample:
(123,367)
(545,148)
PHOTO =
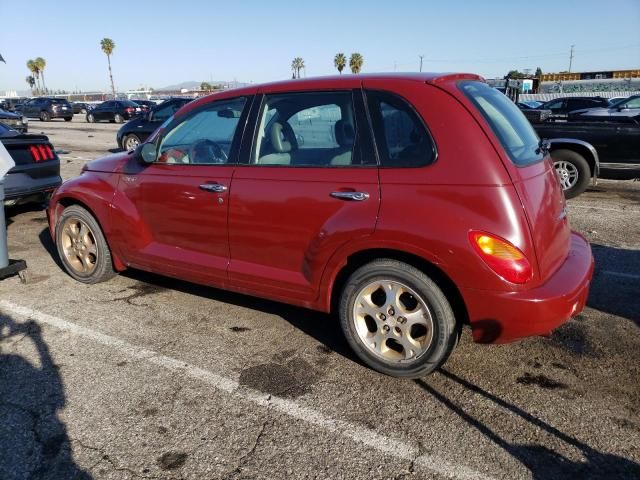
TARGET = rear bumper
(20,185)
(501,317)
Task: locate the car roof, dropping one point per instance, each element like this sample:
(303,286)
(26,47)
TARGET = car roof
(330,82)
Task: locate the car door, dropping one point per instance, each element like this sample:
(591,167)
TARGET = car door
(177,206)
(307,185)
(98,112)
(32,108)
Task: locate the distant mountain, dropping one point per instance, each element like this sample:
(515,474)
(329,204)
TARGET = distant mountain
(196,85)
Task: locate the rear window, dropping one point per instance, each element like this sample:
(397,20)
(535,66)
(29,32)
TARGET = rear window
(508,123)
(59,101)
(129,103)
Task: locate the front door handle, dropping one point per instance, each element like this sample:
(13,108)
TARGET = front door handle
(213,187)
(355,196)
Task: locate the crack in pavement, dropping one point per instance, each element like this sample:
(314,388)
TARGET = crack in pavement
(105,457)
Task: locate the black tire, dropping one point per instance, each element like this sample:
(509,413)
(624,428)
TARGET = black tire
(445,327)
(68,119)
(103,269)
(90,118)
(130,138)
(580,165)
(118,118)
(45,117)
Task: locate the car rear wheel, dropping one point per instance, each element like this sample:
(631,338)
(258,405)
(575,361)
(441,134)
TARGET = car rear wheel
(130,142)
(90,118)
(118,118)
(397,320)
(572,170)
(82,247)
(45,117)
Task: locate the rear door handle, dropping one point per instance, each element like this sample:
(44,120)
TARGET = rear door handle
(213,187)
(355,196)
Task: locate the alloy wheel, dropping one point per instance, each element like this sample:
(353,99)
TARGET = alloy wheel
(131,142)
(393,321)
(567,174)
(79,246)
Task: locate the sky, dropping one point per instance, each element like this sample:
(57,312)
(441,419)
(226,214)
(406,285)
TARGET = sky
(161,43)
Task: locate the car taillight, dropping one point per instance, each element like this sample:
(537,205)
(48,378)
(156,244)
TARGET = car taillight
(41,153)
(502,257)
(128,109)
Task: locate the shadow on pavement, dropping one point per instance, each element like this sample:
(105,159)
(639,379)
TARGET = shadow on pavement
(543,462)
(614,290)
(33,441)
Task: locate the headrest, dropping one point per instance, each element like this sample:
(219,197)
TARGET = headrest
(345,135)
(278,141)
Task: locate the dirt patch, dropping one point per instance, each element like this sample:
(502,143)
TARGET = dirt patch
(172,460)
(541,381)
(291,380)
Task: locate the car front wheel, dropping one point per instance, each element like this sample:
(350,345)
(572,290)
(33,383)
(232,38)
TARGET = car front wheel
(82,247)
(130,142)
(397,320)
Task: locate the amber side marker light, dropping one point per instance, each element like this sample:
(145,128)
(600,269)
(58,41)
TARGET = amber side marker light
(502,257)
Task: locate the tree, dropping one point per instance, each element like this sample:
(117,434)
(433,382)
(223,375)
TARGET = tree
(33,68)
(513,74)
(31,81)
(205,87)
(355,62)
(296,65)
(340,61)
(107,45)
(41,63)
(538,73)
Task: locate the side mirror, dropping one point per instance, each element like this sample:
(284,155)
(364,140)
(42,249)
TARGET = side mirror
(146,153)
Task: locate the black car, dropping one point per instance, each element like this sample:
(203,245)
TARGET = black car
(14,121)
(46,109)
(114,111)
(132,133)
(81,107)
(560,107)
(10,104)
(37,170)
(625,111)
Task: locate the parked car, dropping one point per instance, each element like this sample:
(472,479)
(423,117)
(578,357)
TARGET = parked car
(37,170)
(625,110)
(145,104)
(560,107)
(136,131)
(46,109)
(9,104)
(81,107)
(114,111)
(588,149)
(431,207)
(15,121)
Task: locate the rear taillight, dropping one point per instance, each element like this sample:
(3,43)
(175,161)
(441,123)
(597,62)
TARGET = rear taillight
(502,257)
(41,153)
(129,109)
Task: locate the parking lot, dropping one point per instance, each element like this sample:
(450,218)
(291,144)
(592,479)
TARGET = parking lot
(149,377)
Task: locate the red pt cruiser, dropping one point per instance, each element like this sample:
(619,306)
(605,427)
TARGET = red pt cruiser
(407,204)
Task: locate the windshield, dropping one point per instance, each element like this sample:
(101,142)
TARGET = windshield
(508,123)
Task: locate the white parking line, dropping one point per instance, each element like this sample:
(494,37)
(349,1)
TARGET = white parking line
(386,445)
(620,274)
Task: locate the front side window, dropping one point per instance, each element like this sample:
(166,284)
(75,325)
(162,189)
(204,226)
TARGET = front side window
(508,123)
(205,137)
(314,129)
(401,137)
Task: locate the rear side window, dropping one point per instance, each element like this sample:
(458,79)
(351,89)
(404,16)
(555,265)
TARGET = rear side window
(508,123)
(401,137)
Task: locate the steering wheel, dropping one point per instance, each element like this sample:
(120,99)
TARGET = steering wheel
(207,151)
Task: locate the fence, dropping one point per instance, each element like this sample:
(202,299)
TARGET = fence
(545,97)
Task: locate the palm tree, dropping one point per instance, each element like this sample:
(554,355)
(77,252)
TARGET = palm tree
(340,61)
(41,63)
(107,46)
(296,66)
(355,62)
(33,68)
(31,81)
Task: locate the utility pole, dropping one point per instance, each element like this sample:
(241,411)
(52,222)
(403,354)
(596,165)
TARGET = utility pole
(571,58)
(421,57)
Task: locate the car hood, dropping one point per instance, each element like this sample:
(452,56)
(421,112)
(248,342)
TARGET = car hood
(109,164)
(5,114)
